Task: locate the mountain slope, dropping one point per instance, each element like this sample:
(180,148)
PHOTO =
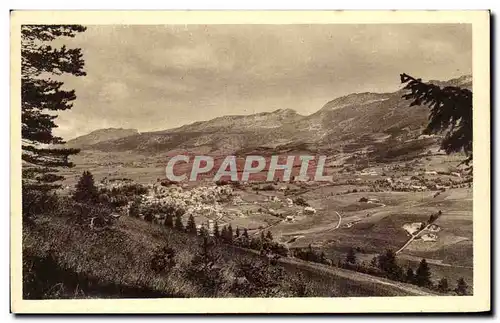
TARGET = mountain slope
(356,120)
(118,263)
(99,136)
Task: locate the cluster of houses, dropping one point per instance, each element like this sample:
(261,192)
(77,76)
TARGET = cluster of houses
(430,232)
(209,202)
(288,202)
(413,228)
(199,201)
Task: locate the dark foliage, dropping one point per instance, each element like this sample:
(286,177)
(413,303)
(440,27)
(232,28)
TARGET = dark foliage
(450,112)
(462,287)
(85,189)
(178,223)
(423,274)
(134,209)
(300,201)
(35,202)
(388,265)
(351,256)
(41,96)
(443,285)
(299,286)
(216,230)
(169,220)
(205,268)
(44,278)
(258,279)
(410,276)
(191,225)
(163,260)
(309,254)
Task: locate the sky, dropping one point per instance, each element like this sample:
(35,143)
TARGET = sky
(158,77)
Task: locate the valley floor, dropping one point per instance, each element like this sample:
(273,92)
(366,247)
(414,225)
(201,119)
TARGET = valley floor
(365,210)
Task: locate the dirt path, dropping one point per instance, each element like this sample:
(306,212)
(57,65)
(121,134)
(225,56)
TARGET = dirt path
(267,228)
(317,229)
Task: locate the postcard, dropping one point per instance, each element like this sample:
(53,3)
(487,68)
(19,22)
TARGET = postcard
(250,161)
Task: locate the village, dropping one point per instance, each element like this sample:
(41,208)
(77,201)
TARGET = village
(257,206)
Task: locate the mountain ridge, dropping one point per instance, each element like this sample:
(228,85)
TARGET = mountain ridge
(351,119)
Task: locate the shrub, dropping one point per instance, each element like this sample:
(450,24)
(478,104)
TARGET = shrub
(134,209)
(163,260)
(410,276)
(205,269)
(36,202)
(299,287)
(462,287)
(351,256)
(443,285)
(300,201)
(258,279)
(221,183)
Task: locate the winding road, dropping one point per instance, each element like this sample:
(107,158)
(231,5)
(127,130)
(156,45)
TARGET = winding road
(340,220)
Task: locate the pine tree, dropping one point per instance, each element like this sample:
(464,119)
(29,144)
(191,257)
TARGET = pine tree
(223,233)
(269,236)
(245,233)
(178,223)
(41,96)
(462,287)
(85,189)
(169,220)
(203,231)
(216,230)
(388,264)
(423,274)
(237,233)
(450,112)
(191,225)
(443,285)
(410,275)
(351,256)
(229,233)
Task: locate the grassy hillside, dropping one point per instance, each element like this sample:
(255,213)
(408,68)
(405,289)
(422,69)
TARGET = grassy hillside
(63,257)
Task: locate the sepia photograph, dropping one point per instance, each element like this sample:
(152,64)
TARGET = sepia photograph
(231,162)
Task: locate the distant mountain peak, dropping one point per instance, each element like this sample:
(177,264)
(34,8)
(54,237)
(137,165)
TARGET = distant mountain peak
(101,135)
(462,81)
(355,99)
(364,119)
(284,111)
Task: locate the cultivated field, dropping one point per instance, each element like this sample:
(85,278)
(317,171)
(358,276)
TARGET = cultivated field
(357,210)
